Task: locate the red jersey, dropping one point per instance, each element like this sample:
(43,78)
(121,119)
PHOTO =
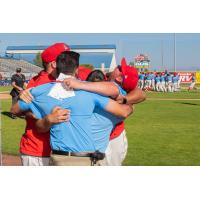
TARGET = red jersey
(117,130)
(34,143)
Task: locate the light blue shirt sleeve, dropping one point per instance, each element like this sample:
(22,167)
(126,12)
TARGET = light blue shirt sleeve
(23,105)
(29,106)
(101,101)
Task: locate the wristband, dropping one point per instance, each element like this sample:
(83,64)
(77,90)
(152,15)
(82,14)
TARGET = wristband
(124,100)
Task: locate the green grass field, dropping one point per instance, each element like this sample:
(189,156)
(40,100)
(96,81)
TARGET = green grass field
(160,132)
(5,88)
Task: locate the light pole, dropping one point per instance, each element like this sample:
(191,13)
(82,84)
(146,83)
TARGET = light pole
(162,54)
(175,52)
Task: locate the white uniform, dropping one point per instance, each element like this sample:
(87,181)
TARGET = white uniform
(116,151)
(34,160)
(169,83)
(192,83)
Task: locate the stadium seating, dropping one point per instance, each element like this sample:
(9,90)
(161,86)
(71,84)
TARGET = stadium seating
(8,66)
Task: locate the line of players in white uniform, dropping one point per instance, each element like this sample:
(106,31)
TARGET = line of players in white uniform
(160,82)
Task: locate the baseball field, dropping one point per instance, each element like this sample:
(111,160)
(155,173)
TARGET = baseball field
(163,131)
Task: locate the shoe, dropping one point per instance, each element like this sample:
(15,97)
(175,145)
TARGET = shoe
(22,117)
(13,116)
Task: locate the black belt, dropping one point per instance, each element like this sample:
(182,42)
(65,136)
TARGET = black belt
(94,155)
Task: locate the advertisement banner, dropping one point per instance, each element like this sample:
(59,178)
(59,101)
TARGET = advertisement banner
(186,77)
(197,77)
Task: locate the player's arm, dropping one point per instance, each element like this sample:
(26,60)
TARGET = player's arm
(133,97)
(16,110)
(120,110)
(26,96)
(25,85)
(57,115)
(15,86)
(103,88)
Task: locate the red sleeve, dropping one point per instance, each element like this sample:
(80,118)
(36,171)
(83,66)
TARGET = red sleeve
(117,130)
(31,83)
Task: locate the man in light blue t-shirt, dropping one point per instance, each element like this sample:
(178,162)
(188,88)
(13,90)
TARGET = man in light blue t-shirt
(126,77)
(72,142)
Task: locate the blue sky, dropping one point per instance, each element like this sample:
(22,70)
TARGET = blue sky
(128,45)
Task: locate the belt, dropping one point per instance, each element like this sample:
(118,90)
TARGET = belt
(94,155)
(82,154)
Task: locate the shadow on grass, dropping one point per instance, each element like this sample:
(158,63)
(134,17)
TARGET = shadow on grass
(186,103)
(8,114)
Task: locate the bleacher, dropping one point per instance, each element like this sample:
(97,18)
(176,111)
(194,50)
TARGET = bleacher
(8,68)
(10,65)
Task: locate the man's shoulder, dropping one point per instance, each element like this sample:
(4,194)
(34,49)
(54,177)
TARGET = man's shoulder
(86,95)
(44,88)
(41,73)
(121,90)
(14,76)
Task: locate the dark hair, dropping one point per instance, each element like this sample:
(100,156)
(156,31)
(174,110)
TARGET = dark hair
(18,70)
(67,62)
(96,76)
(44,64)
(108,75)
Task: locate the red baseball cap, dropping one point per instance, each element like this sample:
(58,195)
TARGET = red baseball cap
(52,52)
(83,72)
(130,74)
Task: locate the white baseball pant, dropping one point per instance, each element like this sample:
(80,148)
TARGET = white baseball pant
(34,160)
(116,151)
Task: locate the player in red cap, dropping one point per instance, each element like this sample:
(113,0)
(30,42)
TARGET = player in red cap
(34,146)
(126,77)
(83,72)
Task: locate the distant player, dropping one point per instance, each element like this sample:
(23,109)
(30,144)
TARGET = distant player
(169,82)
(141,80)
(162,82)
(157,79)
(148,81)
(153,87)
(175,79)
(179,82)
(192,85)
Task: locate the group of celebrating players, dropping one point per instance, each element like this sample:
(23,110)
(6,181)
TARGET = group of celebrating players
(74,122)
(160,82)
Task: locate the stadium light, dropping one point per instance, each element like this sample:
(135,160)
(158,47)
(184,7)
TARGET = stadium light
(162,54)
(175,52)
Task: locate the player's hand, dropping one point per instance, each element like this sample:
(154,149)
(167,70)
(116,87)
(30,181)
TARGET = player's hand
(120,99)
(20,89)
(72,83)
(58,115)
(26,96)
